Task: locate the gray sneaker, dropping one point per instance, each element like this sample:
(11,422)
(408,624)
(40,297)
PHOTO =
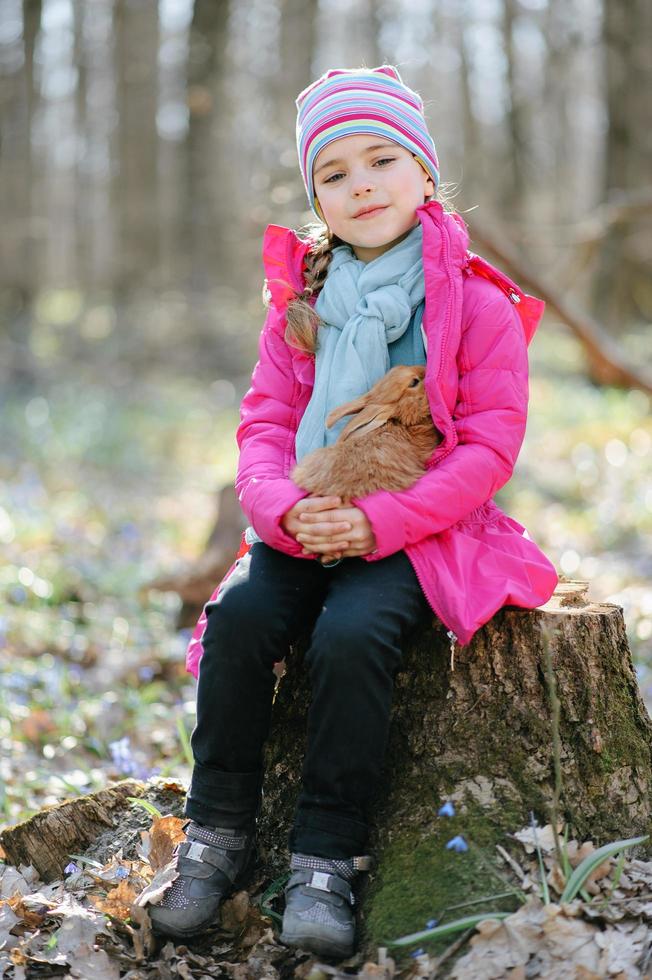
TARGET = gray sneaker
(211,863)
(319,904)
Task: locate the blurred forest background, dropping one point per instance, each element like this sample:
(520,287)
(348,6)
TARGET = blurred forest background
(144,147)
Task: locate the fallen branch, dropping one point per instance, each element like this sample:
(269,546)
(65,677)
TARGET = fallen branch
(48,838)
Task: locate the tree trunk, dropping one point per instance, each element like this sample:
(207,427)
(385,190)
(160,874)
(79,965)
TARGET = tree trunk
(479,733)
(622,276)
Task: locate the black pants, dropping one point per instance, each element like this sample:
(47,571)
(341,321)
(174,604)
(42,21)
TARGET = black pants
(358,614)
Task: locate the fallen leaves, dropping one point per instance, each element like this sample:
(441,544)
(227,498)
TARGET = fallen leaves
(552,941)
(96,924)
(96,921)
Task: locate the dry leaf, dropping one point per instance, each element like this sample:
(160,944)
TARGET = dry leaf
(164,833)
(500,946)
(622,948)
(174,786)
(86,962)
(31,909)
(18,957)
(576,852)
(556,879)
(234,911)
(570,940)
(153,893)
(79,928)
(118,901)
(12,882)
(543,836)
(142,937)
(8,919)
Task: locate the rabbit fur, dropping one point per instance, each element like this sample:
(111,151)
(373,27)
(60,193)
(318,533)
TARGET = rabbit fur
(385,446)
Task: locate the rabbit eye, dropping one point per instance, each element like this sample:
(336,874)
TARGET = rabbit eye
(414,382)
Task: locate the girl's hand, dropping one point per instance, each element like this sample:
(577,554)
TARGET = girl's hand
(325,532)
(316,506)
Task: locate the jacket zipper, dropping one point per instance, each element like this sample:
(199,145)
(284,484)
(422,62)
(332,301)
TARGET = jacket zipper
(452,637)
(444,338)
(511,294)
(415,564)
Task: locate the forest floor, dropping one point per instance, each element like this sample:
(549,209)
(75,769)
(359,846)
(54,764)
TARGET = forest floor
(105,486)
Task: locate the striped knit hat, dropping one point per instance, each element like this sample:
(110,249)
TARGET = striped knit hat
(346,101)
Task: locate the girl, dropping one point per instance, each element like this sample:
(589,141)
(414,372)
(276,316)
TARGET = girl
(386,278)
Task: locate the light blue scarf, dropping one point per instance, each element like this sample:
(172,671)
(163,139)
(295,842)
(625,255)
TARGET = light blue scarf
(363,307)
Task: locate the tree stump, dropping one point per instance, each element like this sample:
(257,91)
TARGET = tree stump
(478,732)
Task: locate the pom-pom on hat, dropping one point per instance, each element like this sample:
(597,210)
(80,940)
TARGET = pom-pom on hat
(347,101)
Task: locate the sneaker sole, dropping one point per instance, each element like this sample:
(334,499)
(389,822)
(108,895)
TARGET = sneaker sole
(313,944)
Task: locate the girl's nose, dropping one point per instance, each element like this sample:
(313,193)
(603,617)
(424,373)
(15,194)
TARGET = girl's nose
(362,185)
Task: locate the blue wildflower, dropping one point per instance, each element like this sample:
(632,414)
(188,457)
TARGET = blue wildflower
(71,869)
(431,923)
(417,952)
(447,810)
(121,872)
(129,531)
(457,844)
(122,757)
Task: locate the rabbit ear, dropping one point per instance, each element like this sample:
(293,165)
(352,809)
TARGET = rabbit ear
(349,408)
(370,418)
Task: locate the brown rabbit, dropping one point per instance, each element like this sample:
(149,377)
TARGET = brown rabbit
(386,445)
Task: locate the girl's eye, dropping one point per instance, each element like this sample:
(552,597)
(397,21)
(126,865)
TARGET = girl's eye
(331,179)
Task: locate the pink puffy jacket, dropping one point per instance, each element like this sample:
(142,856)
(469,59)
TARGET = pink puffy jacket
(469,557)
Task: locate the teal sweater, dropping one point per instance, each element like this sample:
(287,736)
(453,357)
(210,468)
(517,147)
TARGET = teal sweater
(409,348)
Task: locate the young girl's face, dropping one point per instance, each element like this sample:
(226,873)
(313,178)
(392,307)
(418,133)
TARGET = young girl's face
(364,171)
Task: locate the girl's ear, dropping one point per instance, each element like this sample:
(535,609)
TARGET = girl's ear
(430,184)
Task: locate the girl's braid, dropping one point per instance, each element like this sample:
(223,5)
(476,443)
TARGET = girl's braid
(302,322)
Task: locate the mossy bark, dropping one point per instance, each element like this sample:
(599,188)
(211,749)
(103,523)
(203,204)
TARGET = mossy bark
(478,732)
